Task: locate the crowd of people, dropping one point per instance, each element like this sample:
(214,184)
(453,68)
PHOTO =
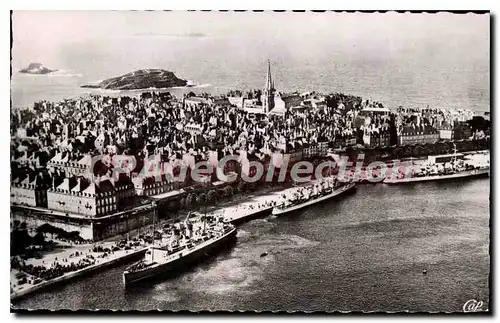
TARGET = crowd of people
(73,262)
(57,269)
(245,209)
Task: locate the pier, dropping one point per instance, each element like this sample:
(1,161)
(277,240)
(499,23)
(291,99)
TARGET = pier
(101,263)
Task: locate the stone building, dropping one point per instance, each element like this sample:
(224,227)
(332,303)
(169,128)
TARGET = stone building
(79,195)
(410,135)
(30,189)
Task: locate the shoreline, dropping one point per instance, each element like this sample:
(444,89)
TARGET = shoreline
(233,210)
(20,293)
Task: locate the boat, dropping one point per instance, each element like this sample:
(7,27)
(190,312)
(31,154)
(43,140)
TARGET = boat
(250,213)
(299,200)
(442,167)
(477,172)
(166,260)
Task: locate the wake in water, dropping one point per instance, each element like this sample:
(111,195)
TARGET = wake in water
(166,293)
(240,269)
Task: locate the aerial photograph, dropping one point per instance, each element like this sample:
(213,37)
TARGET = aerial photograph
(250,161)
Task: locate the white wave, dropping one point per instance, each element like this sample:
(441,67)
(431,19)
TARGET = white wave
(102,91)
(203,85)
(225,276)
(167,296)
(65,73)
(163,89)
(272,243)
(243,234)
(191,86)
(271,218)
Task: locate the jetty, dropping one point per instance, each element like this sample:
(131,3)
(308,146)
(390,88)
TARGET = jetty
(122,256)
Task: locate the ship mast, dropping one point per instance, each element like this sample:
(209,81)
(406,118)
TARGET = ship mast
(454,158)
(186,224)
(154,230)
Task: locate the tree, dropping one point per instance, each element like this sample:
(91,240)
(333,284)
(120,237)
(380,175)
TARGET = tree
(229,191)
(438,149)
(19,240)
(479,123)
(481,144)
(470,145)
(202,199)
(425,151)
(352,154)
(461,145)
(242,186)
(211,197)
(195,200)
(22,226)
(39,239)
(449,147)
(398,152)
(407,152)
(252,186)
(182,202)
(377,153)
(431,149)
(48,228)
(417,151)
(189,200)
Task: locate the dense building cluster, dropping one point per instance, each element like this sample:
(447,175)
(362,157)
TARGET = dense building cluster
(64,154)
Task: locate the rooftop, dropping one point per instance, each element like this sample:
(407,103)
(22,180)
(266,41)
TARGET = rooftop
(167,194)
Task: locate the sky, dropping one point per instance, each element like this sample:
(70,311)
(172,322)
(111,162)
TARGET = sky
(46,36)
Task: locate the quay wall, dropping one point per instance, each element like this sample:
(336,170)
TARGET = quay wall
(75,274)
(34,220)
(90,228)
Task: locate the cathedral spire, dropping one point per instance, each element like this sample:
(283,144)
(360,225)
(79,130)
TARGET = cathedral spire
(268,94)
(269,80)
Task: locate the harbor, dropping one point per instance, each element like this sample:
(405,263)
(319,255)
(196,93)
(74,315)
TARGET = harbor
(257,206)
(201,161)
(331,238)
(34,284)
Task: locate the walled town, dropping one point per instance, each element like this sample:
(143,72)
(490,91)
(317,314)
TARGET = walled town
(55,179)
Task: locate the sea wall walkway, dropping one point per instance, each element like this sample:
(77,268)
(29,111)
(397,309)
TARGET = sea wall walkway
(113,259)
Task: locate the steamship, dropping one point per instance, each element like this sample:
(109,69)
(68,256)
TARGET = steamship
(186,247)
(313,194)
(442,167)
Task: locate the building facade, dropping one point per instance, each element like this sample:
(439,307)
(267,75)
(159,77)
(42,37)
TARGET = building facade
(78,195)
(32,191)
(411,135)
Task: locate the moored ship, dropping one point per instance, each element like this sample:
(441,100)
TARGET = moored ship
(187,245)
(442,167)
(249,213)
(313,194)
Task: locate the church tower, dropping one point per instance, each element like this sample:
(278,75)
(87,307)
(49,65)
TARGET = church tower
(268,93)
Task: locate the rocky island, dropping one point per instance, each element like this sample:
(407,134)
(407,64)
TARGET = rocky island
(36,68)
(140,79)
